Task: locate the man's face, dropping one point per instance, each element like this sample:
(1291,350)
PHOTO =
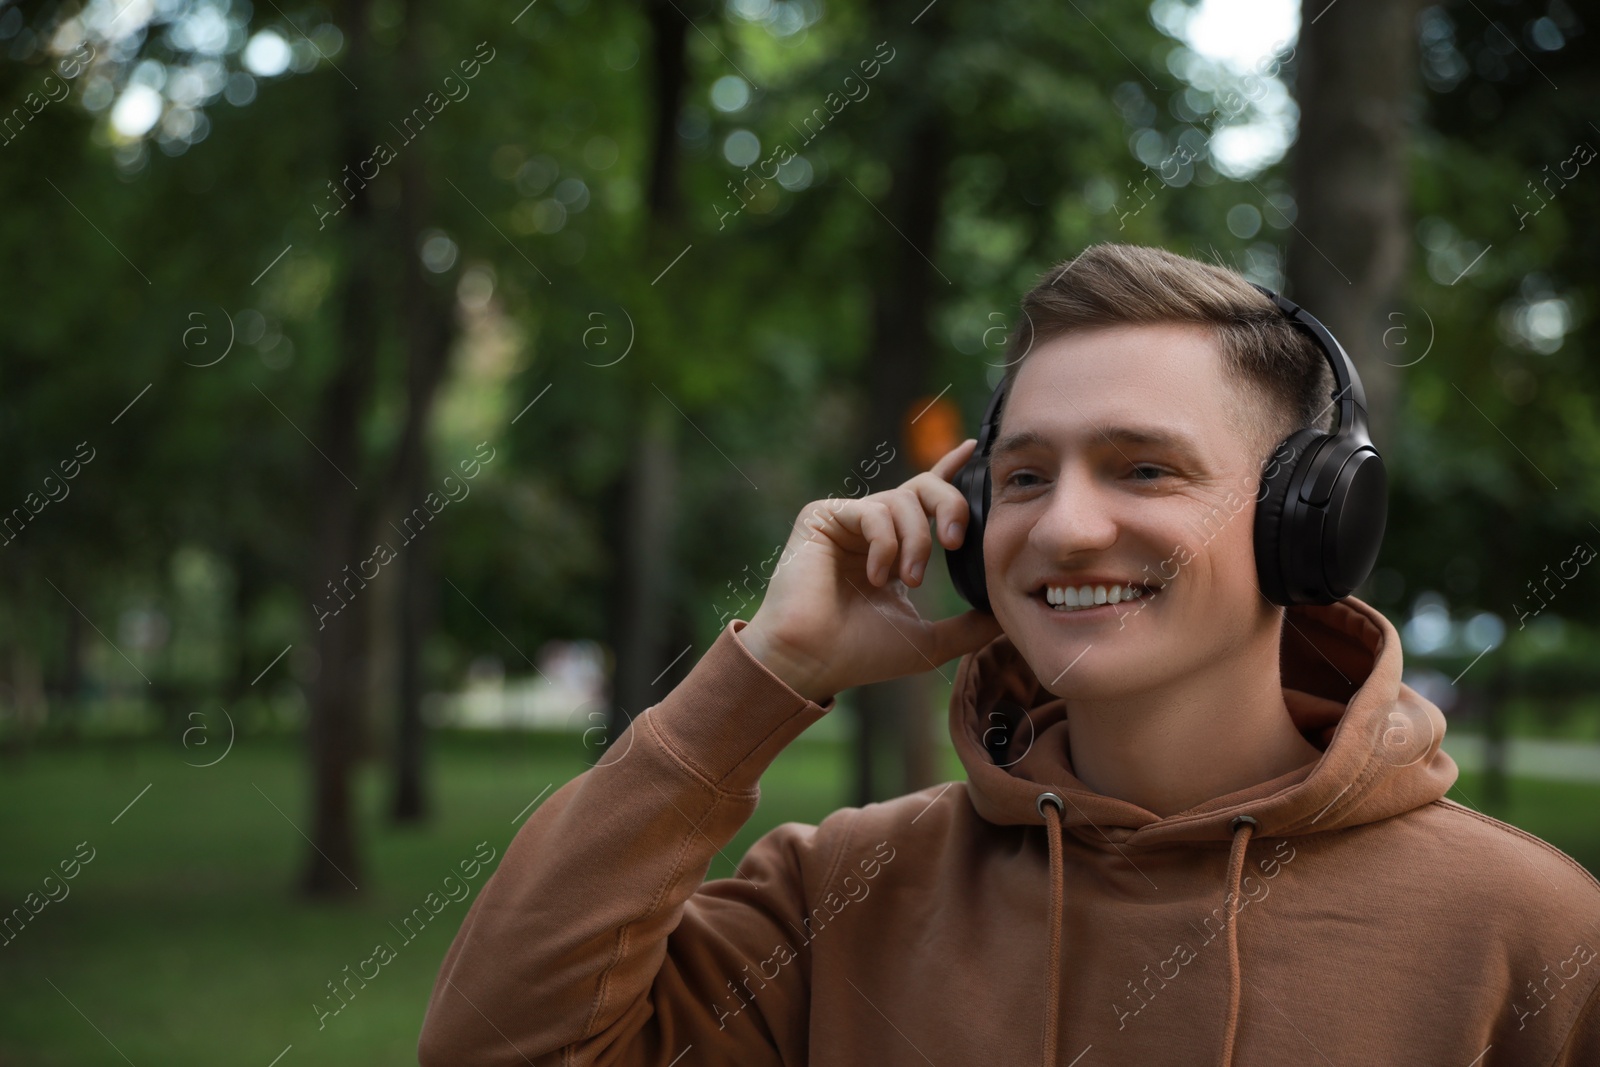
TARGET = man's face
(1116,465)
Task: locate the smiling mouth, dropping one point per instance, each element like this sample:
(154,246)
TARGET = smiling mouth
(1071,599)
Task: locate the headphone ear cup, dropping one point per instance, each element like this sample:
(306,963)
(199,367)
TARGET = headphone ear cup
(1273,542)
(965,562)
(1320,523)
(1346,531)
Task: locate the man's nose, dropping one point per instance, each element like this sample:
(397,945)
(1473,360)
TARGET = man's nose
(1080,515)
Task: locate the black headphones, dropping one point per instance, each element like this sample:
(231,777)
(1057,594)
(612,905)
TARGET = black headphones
(1320,510)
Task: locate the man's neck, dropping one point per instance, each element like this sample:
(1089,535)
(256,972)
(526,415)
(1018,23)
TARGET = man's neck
(1211,733)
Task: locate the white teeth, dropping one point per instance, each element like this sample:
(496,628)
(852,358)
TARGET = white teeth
(1067,598)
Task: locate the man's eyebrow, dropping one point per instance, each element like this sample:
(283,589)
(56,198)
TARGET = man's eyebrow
(1157,436)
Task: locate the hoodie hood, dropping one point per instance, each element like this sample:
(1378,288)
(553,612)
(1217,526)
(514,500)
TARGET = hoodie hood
(1340,665)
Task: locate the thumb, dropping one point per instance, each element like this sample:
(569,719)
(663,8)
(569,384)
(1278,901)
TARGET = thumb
(960,634)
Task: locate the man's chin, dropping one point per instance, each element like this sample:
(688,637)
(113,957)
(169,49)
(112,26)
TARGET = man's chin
(1092,660)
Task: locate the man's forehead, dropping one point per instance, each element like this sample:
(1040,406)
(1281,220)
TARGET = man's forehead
(1120,434)
(1158,385)
(1113,351)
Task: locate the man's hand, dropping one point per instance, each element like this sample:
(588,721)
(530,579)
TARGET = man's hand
(836,615)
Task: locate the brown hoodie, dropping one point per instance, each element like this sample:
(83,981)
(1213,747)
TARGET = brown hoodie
(1344,913)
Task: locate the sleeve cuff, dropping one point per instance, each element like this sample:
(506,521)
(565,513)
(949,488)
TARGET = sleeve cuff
(728,719)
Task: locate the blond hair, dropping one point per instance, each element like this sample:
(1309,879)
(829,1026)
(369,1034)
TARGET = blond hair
(1281,373)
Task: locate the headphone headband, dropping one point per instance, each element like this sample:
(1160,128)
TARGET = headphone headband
(1347,390)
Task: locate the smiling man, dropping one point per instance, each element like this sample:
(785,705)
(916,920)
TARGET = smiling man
(1125,450)
(1203,819)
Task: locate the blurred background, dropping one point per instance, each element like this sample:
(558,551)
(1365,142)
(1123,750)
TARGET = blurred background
(399,397)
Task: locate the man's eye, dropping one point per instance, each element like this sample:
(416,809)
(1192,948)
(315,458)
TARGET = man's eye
(1012,480)
(1151,472)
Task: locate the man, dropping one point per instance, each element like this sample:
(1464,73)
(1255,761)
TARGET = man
(1196,827)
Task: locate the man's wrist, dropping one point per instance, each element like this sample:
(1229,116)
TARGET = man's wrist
(771,655)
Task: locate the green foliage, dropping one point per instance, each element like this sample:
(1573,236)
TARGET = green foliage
(747,303)
(1499,438)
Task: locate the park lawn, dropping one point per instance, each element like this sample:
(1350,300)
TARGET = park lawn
(182,942)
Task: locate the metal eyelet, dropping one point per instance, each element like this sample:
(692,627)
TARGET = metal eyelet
(1239,820)
(1052,798)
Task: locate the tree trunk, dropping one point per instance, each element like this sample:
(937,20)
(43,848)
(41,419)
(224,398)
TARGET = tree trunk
(248,586)
(669,29)
(418,601)
(338,694)
(1352,238)
(429,331)
(643,534)
(70,706)
(648,517)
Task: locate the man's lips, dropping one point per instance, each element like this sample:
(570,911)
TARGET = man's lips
(1143,596)
(1080,581)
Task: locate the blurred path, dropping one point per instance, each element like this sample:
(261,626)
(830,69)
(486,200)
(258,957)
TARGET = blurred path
(1564,761)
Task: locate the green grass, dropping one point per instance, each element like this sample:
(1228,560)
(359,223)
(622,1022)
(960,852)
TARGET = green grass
(184,943)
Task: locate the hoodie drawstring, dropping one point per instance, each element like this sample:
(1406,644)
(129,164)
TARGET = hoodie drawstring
(1243,826)
(1052,828)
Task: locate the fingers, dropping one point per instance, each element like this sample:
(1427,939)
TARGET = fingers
(893,527)
(952,460)
(876,526)
(911,531)
(949,506)
(910,505)
(942,500)
(893,524)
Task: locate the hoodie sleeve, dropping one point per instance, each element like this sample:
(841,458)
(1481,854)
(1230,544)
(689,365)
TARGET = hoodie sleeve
(1583,1044)
(597,939)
